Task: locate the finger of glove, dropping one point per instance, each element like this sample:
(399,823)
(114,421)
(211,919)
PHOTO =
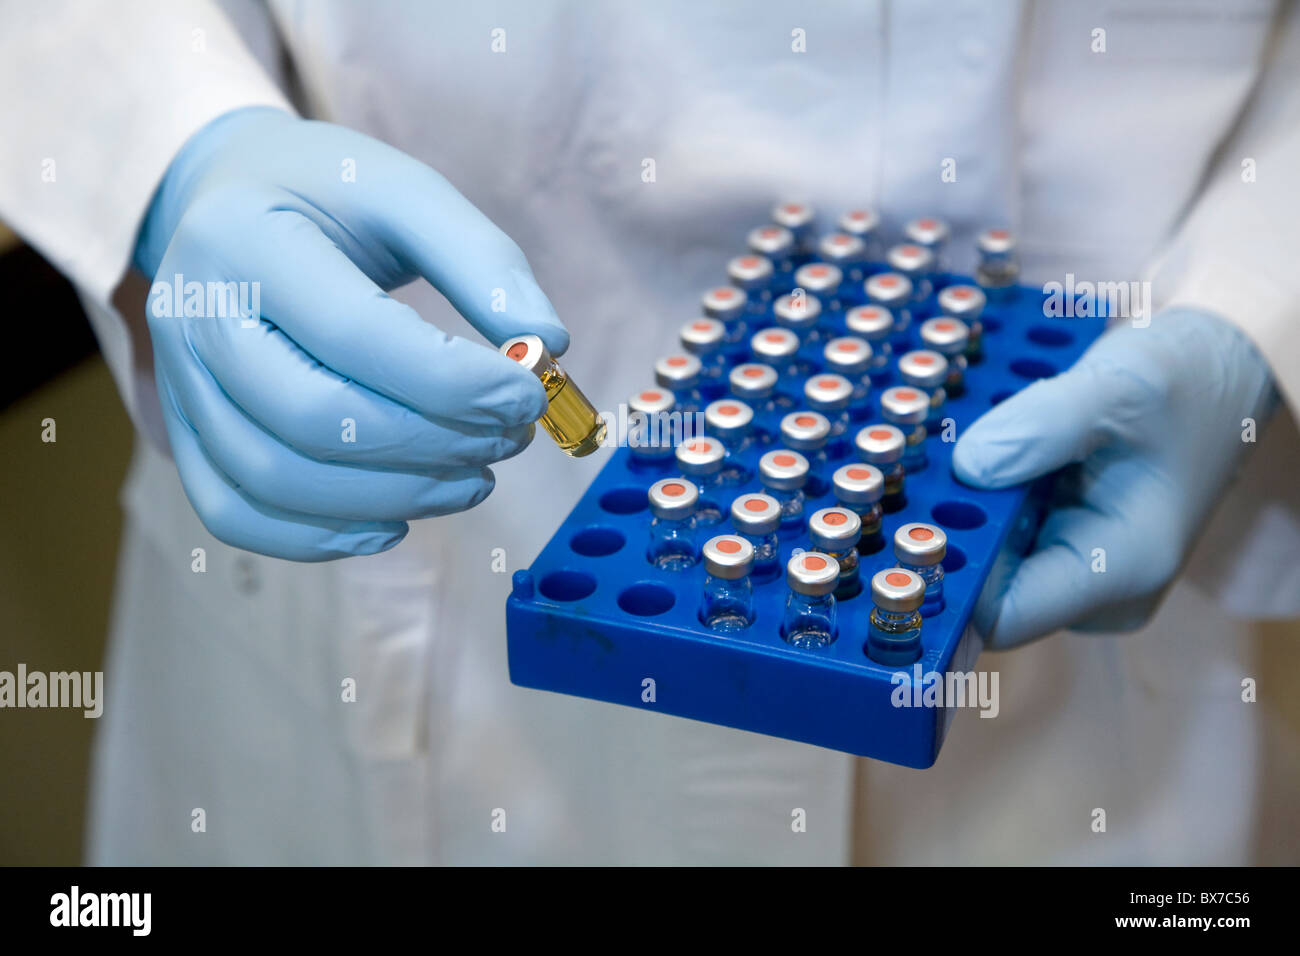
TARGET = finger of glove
(1056,421)
(232,517)
(439,234)
(312,291)
(325,416)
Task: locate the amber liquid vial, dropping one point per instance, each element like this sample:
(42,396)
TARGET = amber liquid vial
(570,419)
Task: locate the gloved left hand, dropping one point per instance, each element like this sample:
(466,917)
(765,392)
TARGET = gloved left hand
(1148,427)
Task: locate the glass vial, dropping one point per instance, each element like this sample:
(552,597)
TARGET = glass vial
(835,531)
(728,602)
(926,370)
(731,422)
(680,374)
(907,408)
(807,433)
(875,324)
(700,460)
(672,529)
(894,628)
(570,419)
(809,620)
(921,548)
(860,488)
(756,518)
(949,337)
(784,474)
(882,446)
(966,302)
(650,431)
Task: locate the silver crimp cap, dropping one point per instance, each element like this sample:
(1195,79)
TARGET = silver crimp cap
(834,529)
(783,470)
(728,556)
(895,589)
(920,543)
(673,498)
(812,573)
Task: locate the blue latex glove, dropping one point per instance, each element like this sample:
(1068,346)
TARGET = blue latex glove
(1149,423)
(326,220)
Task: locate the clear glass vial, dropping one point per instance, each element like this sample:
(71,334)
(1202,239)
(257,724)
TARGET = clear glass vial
(784,474)
(809,620)
(799,311)
(704,339)
(907,408)
(850,356)
(921,548)
(650,430)
(807,433)
(846,252)
(830,394)
(774,242)
(570,419)
(875,324)
(949,337)
(917,263)
(966,302)
(892,291)
(680,374)
(728,305)
(882,446)
(756,518)
(927,370)
(728,601)
(932,233)
(822,280)
(754,383)
(700,460)
(894,628)
(800,218)
(731,422)
(998,267)
(672,530)
(778,348)
(835,531)
(754,274)
(860,488)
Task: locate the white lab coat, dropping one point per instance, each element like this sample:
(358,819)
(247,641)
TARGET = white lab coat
(224,687)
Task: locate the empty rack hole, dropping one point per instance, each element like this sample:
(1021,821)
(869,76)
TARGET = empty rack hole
(624,501)
(954,560)
(958,515)
(566,585)
(596,541)
(1032,368)
(1051,337)
(646,599)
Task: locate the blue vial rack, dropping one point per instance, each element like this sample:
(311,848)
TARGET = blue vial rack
(592,617)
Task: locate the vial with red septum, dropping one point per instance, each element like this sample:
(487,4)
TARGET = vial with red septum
(728,602)
(729,306)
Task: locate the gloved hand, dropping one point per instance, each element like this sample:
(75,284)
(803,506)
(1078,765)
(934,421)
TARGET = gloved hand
(1149,422)
(325,220)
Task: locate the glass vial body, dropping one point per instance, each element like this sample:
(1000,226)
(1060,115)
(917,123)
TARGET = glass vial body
(672,527)
(894,626)
(809,618)
(570,419)
(727,604)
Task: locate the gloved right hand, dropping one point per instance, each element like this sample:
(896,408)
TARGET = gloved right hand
(318,428)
